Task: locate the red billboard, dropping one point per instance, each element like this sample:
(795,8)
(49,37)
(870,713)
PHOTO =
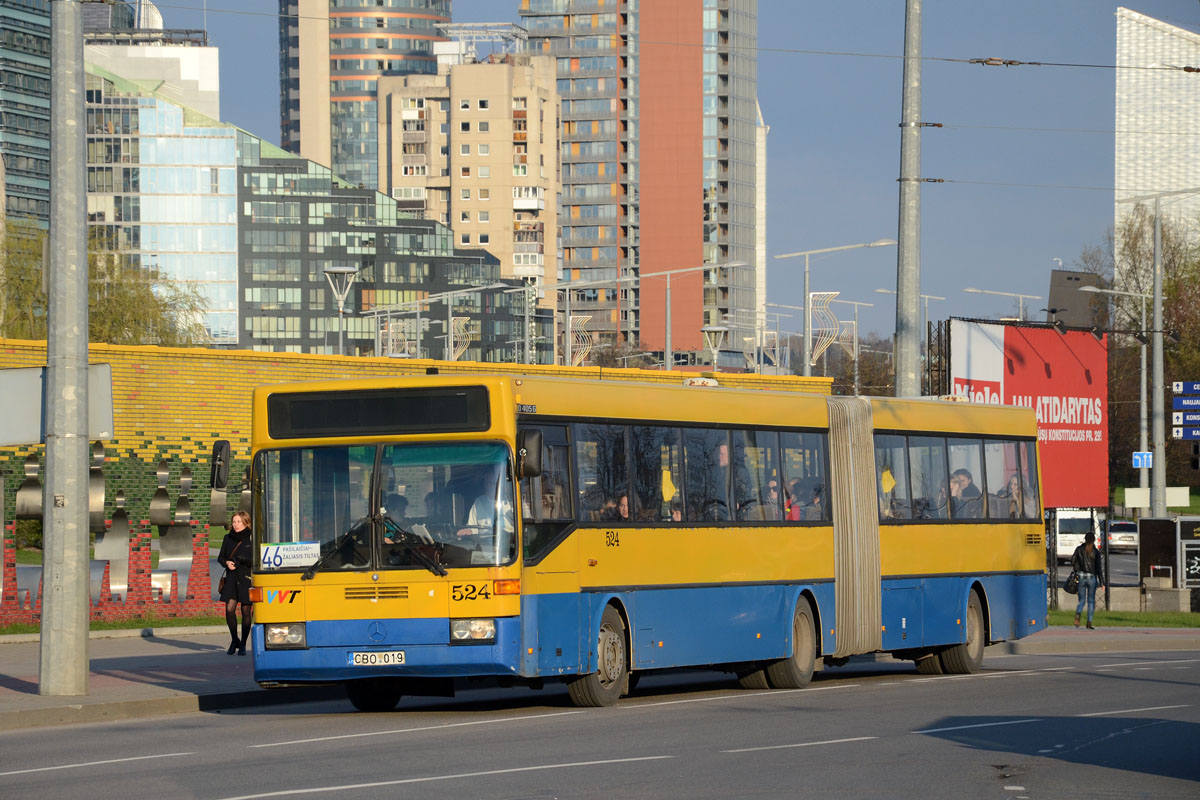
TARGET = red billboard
(1064,378)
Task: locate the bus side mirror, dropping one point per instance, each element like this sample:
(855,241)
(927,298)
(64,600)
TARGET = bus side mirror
(219,465)
(529,453)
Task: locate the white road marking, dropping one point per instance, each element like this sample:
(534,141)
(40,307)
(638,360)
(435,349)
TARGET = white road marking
(94,763)
(453,776)
(1132,710)
(801,744)
(980,725)
(416,730)
(737,695)
(1014,788)
(1140,663)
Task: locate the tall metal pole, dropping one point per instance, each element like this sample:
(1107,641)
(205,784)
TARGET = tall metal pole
(806,345)
(669,351)
(63,666)
(418,329)
(908,267)
(568,334)
(1143,473)
(856,337)
(341,328)
(528,293)
(1158,478)
(449,329)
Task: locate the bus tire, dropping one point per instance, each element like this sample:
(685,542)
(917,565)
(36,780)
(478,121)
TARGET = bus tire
(796,672)
(374,694)
(611,679)
(967,658)
(753,678)
(930,664)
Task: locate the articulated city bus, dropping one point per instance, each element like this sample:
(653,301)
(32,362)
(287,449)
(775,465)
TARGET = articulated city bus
(414,532)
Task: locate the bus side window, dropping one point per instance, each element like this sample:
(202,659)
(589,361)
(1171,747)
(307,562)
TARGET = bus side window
(930,484)
(891,477)
(1029,474)
(602,471)
(805,476)
(553,490)
(657,474)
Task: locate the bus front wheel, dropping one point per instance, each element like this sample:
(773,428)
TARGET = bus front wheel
(796,672)
(611,679)
(374,694)
(967,658)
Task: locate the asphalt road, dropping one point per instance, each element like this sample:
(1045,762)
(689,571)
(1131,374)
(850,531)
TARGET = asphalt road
(1097,725)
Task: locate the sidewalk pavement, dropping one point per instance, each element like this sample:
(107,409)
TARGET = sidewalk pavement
(156,671)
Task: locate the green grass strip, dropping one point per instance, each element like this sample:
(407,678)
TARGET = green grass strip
(1132,619)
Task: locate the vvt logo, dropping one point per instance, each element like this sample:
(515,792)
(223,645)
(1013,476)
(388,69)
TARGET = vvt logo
(285,596)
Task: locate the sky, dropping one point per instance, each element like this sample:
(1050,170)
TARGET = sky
(1026,152)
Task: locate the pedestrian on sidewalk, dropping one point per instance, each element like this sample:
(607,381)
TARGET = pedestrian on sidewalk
(235,586)
(1089,566)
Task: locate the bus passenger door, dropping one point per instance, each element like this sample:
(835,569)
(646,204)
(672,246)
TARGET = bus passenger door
(550,606)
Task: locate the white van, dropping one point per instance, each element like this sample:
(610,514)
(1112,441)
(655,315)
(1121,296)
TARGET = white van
(1070,526)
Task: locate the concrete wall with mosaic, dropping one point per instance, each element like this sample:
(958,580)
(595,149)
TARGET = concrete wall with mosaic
(169,405)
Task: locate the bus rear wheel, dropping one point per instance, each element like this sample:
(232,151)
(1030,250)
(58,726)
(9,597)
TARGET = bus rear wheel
(796,672)
(611,679)
(374,694)
(967,658)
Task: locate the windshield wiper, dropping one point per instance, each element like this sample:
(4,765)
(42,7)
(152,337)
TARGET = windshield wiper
(425,561)
(334,547)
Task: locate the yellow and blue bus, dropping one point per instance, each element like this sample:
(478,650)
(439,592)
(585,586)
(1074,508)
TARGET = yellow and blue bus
(414,532)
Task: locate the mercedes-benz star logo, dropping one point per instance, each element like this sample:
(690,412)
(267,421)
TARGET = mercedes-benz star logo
(376,631)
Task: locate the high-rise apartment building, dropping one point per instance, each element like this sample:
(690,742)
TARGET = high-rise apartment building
(658,166)
(476,147)
(25,108)
(1157,116)
(331,56)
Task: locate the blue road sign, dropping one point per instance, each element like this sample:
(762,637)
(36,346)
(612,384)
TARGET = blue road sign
(1186,387)
(1185,403)
(1143,459)
(1185,433)
(1185,417)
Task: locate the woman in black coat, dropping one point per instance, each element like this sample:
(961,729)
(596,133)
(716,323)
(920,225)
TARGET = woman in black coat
(235,557)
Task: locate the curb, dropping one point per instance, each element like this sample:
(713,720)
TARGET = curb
(75,713)
(126,633)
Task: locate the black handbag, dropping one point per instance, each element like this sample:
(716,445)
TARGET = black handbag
(1072,584)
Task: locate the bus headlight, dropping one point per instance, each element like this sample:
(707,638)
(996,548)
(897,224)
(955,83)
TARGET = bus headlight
(285,636)
(472,631)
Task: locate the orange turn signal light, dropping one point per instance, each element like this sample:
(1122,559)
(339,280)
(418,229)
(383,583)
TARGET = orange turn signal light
(509,586)
(255,594)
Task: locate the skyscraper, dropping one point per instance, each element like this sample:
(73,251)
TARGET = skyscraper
(25,107)
(658,166)
(331,55)
(1157,116)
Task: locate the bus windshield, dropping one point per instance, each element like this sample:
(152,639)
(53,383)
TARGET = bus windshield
(439,506)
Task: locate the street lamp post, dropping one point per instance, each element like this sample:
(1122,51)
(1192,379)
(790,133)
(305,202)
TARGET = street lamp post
(668,349)
(1143,473)
(806,344)
(433,298)
(340,280)
(1021,298)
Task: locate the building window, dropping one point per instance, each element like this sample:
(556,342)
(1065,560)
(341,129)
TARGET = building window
(464,149)
(483,104)
(485,150)
(466,172)
(484,126)
(485,216)
(464,194)
(520,170)
(464,127)
(485,238)
(485,194)
(464,216)
(485,172)
(464,105)
(464,238)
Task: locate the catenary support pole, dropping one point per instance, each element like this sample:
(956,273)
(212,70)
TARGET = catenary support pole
(908,267)
(63,667)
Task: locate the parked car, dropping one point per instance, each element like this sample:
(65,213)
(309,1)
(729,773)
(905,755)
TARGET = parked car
(1122,536)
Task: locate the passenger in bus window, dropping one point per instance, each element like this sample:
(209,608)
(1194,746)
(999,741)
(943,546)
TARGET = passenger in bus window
(966,499)
(771,507)
(816,508)
(617,510)
(676,510)
(795,511)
